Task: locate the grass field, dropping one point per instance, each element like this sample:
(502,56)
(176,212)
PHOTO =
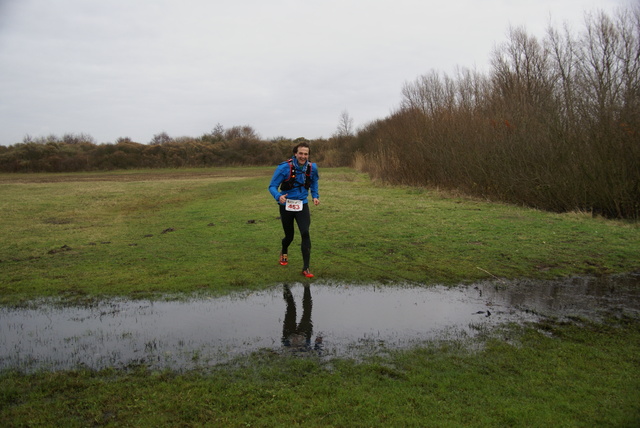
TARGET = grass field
(151,233)
(173,231)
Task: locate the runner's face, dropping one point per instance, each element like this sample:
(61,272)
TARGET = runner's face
(302,155)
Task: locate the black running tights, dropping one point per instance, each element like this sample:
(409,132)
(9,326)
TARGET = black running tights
(303,218)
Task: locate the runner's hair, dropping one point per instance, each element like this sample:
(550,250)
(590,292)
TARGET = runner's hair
(302,144)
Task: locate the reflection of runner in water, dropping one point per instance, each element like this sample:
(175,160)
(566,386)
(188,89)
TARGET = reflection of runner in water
(298,336)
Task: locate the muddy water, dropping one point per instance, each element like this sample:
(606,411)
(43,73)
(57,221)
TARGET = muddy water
(325,319)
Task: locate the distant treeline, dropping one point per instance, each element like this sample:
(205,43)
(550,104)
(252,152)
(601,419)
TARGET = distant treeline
(239,145)
(554,124)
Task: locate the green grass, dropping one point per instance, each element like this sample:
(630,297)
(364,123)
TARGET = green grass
(87,235)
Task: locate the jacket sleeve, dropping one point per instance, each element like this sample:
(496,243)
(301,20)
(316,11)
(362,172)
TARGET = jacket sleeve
(314,181)
(278,177)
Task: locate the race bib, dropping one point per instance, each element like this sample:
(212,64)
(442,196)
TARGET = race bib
(293,205)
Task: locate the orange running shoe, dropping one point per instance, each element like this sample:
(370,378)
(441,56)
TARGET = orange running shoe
(307,273)
(284,260)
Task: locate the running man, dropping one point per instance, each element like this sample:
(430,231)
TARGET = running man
(290,187)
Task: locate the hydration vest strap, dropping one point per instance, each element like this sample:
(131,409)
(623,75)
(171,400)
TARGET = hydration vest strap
(292,175)
(292,170)
(307,181)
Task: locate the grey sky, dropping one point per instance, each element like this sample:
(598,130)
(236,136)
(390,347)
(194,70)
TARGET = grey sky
(135,68)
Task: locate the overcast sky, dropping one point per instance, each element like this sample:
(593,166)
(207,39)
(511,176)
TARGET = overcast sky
(135,68)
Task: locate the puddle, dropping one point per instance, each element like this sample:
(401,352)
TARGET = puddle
(326,319)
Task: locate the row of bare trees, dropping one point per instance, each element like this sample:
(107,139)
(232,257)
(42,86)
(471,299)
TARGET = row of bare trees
(554,125)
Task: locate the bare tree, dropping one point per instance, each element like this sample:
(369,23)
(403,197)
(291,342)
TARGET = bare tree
(218,132)
(244,132)
(161,138)
(563,67)
(601,69)
(345,125)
